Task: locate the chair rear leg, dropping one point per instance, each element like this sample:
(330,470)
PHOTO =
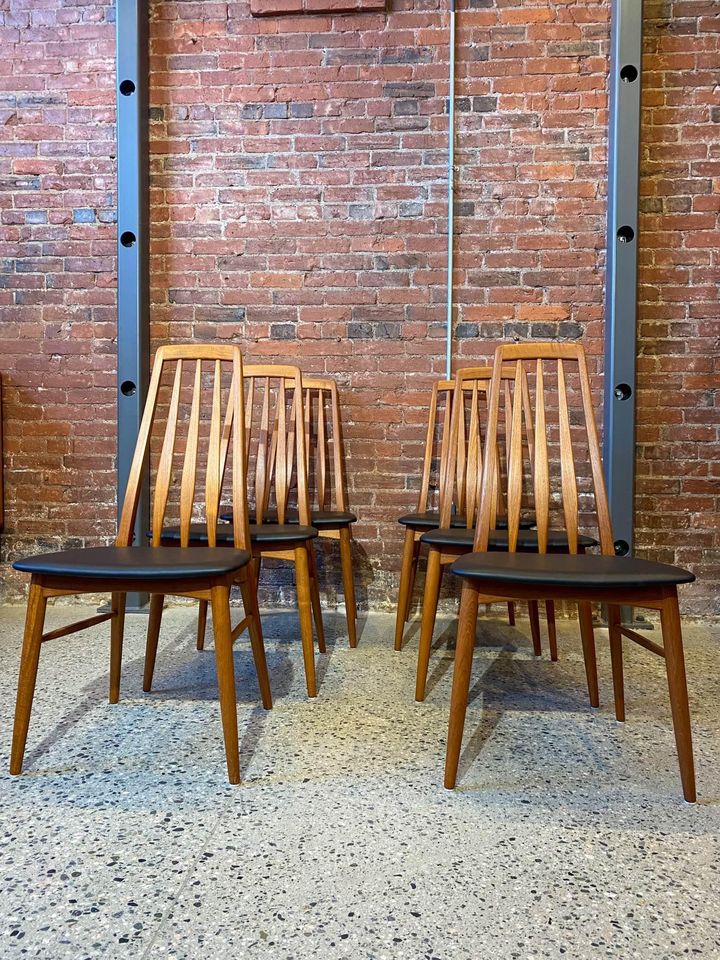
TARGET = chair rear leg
(302,580)
(34,620)
(248,589)
(552,632)
(201,624)
(315,597)
(467,627)
(588,642)
(348,585)
(404,590)
(153,634)
(534,615)
(616,658)
(433,577)
(413,578)
(511,613)
(677,685)
(220,600)
(117,631)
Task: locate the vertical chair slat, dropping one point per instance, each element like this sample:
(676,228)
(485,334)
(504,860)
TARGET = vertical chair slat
(212,472)
(422,504)
(187,487)
(241,531)
(281,472)
(321,454)
(473,458)
(601,501)
(567,464)
(541,475)
(164,473)
(460,450)
(261,465)
(515,460)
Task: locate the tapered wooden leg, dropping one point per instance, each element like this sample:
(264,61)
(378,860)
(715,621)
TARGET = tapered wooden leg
(616,658)
(511,613)
(534,615)
(588,642)
(348,585)
(248,589)
(153,634)
(34,620)
(677,685)
(467,625)
(413,577)
(220,600)
(404,591)
(431,595)
(552,632)
(117,630)
(201,624)
(315,598)
(302,580)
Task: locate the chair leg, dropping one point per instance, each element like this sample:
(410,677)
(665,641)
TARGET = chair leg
(431,595)
(534,615)
(315,597)
(302,580)
(616,658)
(552,632)
(677,685)
(404,591)
(153,634)
(201,624)
(348,585)
(511,613)
(34,620)
(248,589)
(467,626)
(588,642)
(220,600)
(117,630)
(413,578)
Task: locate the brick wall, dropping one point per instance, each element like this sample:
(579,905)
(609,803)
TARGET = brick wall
(298,205)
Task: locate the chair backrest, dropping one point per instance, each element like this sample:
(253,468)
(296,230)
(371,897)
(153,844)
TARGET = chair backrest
(437,440)
(185,414)
(461,467)
(564,423)
(324,445)
(277,471)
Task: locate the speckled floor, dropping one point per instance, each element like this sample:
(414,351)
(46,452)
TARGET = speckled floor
(567,837)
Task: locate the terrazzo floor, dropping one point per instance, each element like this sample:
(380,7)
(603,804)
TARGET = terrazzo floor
(567,836)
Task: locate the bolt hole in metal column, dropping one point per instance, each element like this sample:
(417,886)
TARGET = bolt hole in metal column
(626,234)
(127,87)
(629,73)
(128,239)
(128,388)
(623,391)
(622,548)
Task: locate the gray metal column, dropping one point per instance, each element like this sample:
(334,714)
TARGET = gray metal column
(133,333)
(622,257)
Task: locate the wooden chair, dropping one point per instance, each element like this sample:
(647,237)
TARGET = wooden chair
(205,574)
(277,488)
(605,578)
(426,515)
(460,483)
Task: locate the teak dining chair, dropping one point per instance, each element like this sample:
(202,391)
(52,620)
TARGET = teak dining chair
(206,574)
(277,488)
(605,578)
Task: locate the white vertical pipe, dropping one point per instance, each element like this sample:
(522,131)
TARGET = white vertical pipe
(450,194)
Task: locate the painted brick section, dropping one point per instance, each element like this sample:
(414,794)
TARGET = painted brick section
(298,206)
(57,274)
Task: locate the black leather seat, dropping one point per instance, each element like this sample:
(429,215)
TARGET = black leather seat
(321,519)
(527,539)
(431,519)
(566,570)
(139,563)
(267,533)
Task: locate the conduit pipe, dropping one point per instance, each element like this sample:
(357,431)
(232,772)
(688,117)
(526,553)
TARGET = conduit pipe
(450,195)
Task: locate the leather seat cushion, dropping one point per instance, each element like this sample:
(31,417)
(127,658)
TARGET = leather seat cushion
(321,519)
(527,539)
(139,563)
(431,519)
(566,570)
(266,533)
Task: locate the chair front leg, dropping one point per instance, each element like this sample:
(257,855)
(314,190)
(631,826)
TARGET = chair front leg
(552,632)
(220,600)
(677,686)
(302,580)
(616,658)
(29,659)
(201,624)
(151,643)
(534,615)
(588,643)
(433,577)
(403,603)
(248,589)
(348,585)
(315,596)
(117,631)
(467,627)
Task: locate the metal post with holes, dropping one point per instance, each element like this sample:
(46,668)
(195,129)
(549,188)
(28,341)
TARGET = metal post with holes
(622,259)
(133,333)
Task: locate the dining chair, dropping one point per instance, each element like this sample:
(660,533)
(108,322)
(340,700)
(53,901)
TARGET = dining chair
(207,574)
(460,483)
(564,426)
(280,525)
